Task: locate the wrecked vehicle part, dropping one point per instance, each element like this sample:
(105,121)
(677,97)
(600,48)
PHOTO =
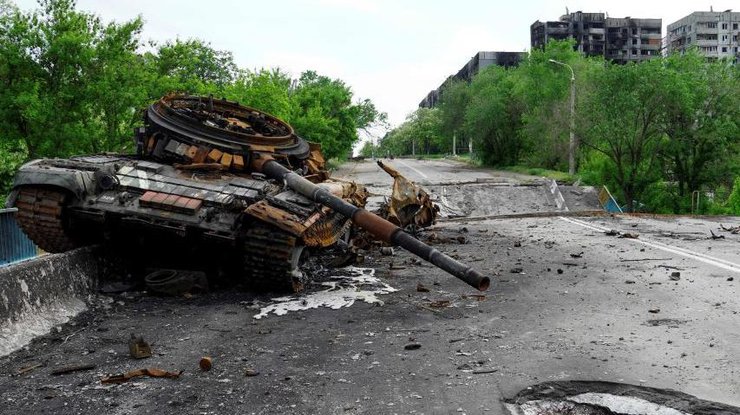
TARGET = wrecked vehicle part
(138,348)
(375,225)
(151,372)
(409,204)
(257,215)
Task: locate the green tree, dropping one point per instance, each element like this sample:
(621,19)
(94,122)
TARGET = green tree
(623,120)
(368,149)
(701,122)
(543,88)
(58,69)
(267,90)
(323,111)
(453,104)
(191,66)
(493,117)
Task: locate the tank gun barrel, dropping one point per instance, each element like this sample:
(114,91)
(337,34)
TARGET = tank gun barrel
(377,226)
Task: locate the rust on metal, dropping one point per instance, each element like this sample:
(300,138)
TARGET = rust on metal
(286,221)
(138,348)
(409,204)
(175,203)
(151,372)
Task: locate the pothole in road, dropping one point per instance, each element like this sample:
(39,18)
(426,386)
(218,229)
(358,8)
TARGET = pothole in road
(344,287)
(607,398)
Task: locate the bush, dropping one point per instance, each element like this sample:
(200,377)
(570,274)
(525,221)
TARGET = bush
(733,201)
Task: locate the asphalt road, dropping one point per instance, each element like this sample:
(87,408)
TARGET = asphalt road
(567,302)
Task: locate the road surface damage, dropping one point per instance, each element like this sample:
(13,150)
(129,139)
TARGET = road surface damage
(608,398)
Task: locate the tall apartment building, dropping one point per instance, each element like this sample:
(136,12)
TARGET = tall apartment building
(620,40)
(478,62)
(586,28)
(715,34)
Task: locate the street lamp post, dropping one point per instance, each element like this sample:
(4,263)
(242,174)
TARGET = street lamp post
(572,143)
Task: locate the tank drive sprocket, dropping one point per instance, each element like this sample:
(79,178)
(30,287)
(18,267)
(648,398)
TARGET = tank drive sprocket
(41,216)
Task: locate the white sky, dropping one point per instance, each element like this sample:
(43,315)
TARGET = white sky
(391,51)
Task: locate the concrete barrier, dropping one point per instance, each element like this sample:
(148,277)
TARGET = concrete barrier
(38,294)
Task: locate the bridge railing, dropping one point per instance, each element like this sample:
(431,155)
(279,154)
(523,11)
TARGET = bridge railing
(14,244)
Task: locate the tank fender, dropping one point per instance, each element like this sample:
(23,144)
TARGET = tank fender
(77,182)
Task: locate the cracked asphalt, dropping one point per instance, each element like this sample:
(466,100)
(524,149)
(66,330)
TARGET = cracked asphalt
(567,302)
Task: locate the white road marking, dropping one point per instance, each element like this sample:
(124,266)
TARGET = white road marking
(717,262)
(417,171)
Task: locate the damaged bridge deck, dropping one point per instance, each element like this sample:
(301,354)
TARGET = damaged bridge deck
(568,301)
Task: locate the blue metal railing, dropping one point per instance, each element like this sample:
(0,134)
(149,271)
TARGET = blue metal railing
(14,244)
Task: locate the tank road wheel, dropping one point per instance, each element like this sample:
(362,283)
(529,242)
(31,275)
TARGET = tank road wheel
(272,259)
(41,216)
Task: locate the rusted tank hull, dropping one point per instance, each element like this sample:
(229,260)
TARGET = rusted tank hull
(261,223)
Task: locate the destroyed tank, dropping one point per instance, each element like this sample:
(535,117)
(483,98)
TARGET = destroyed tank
(212,182)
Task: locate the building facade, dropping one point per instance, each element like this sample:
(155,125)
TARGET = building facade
(715,34)
(477,63)
(633,40)
(620,40)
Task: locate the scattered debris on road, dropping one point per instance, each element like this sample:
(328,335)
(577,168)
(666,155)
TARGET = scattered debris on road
(409,204)
(205,363)
(151,372)
(138,348)
(731,229)
(72,368)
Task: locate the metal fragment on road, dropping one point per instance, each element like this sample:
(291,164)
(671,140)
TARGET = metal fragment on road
(206,363)
(151,372)
(72,368)
(409,204)
(138,348)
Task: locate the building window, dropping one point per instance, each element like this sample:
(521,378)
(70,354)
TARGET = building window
(724,38)
(724,49)
(712,25)
(724,26)
(734,26)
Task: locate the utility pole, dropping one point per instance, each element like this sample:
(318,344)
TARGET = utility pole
(572,143)
(413,147)
(454,144)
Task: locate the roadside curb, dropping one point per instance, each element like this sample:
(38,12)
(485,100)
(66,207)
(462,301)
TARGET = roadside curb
(37,294)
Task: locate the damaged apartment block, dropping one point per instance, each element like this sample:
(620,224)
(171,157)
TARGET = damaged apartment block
(620,40)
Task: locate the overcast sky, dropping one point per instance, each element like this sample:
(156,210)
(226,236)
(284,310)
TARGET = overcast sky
(391,51)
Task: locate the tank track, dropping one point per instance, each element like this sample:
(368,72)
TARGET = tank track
(271,259)
(41,216)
